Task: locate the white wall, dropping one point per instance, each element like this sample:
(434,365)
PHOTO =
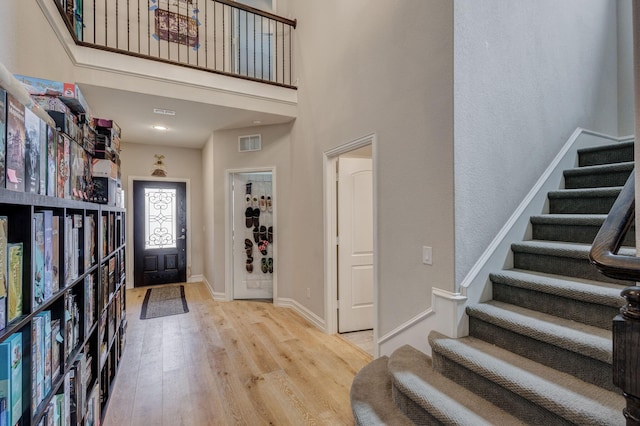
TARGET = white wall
(138,159)
(526,75)
(274,153)
(26,44)
(370,66)
(208,206)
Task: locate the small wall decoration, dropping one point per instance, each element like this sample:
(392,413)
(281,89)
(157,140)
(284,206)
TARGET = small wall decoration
(179,25)
(159,168)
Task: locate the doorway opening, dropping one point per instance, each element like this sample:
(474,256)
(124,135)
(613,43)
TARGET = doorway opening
(350,240)
(160,231)
(251,223)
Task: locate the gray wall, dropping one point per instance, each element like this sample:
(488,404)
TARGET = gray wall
(375,66)
(625,69)
(182,163)
(526,75)
(222,156)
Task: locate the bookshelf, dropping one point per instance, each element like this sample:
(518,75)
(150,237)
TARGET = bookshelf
(62,299)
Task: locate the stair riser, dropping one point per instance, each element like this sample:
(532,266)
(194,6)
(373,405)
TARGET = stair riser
(513,403)
(599,180)
(574,233)
(582,205)
(568,308)
(567,266)
(588,369)
(413,411)
(621,154)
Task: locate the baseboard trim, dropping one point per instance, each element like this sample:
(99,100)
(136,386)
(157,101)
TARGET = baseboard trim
(195,279)
(444,316)
(312,318)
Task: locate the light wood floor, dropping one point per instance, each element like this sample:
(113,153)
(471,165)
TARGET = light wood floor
(223,363)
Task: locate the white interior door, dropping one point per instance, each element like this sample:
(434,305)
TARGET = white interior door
(355,244)
(253,258)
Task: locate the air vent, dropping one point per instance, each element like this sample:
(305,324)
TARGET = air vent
(163,111)
(250,143)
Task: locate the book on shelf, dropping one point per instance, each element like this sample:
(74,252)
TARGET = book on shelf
(93,407)
(3,134)
(76,245)
(4,235)
(68,249)
(52,162)
(62,155)
(48,253)
(14,283)
(71,324)
(37,362)
(32,152)
(16,143)
(89,302)
(43,157)
(56,339)
(89,241)
(105,232)
(37,277)
(11,376)
(55,253)
(46,350)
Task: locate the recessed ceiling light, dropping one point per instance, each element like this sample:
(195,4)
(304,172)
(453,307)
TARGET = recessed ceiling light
(162,128)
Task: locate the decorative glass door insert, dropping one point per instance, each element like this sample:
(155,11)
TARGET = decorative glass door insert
(160,218)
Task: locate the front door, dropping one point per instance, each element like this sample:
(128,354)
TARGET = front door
(159,227)
(355,248)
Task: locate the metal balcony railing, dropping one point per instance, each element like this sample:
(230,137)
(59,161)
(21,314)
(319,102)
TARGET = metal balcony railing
(219,36)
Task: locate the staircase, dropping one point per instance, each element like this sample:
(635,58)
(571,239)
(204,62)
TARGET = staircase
(539,352)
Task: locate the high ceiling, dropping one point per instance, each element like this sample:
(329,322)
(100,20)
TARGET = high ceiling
(190,127)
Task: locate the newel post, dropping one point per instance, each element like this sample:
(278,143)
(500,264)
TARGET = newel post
(626,353)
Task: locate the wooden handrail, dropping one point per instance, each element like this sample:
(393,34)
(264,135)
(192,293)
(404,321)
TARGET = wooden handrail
(236,5)
(609,239)
(626,325)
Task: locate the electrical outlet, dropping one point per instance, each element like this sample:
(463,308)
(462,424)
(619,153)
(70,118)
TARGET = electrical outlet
(427,255)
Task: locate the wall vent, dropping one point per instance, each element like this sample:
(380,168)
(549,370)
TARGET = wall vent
(250,143)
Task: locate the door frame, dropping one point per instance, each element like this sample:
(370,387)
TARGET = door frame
(331,231)
(228,229)
(131,215)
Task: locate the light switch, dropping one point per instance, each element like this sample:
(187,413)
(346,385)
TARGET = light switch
(427,255)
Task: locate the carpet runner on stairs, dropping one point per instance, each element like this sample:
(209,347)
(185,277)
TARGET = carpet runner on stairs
(540,351)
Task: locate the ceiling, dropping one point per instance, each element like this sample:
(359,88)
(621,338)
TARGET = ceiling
(190,127)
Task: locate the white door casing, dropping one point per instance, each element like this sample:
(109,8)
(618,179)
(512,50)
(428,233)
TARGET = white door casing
(355,247)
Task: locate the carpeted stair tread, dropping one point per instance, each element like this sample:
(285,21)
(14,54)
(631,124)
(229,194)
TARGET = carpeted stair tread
(371,401)
(562,394)
(569,219)
(577,289)
(445,400)
(598,176)
(612,191)
(606,154)
(581,338)
(561,249)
